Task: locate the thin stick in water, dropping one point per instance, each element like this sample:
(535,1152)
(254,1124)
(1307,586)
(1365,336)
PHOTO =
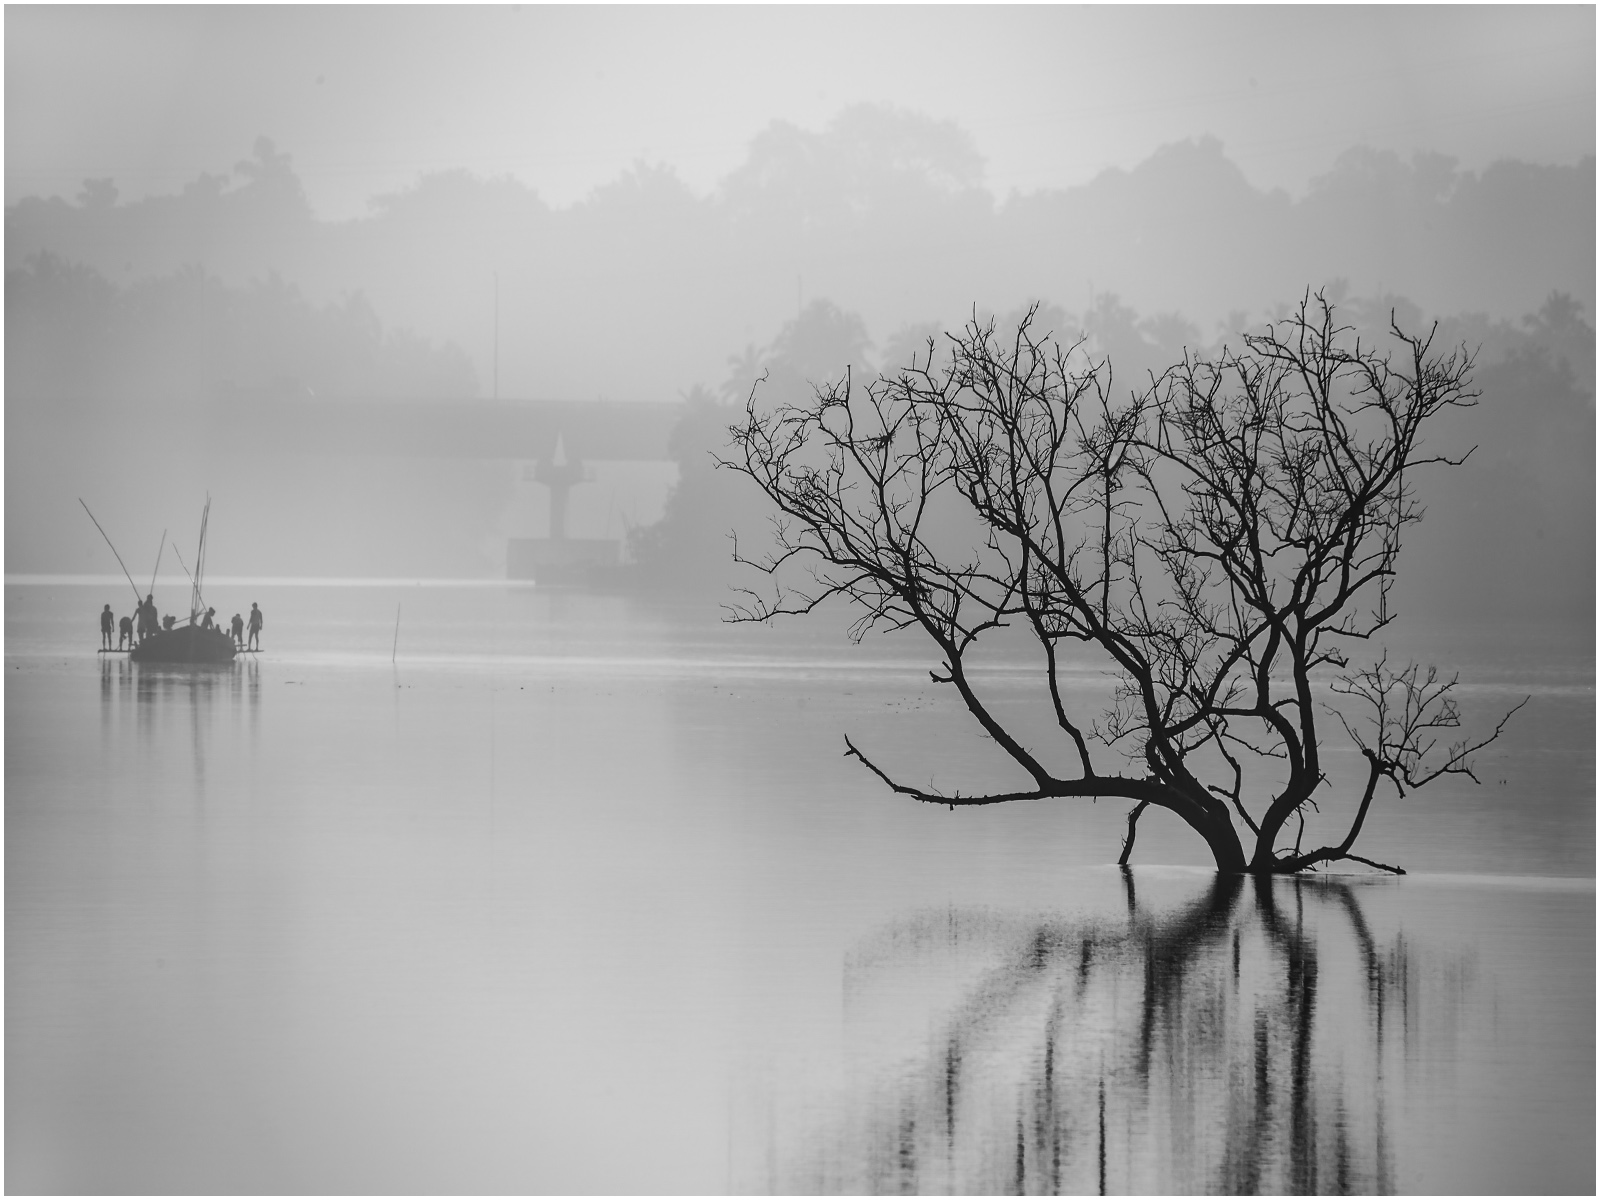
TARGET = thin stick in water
(396,649)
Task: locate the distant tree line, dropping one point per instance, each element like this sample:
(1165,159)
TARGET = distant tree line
(883,211)
(120,310)
(108,388)
(75,338)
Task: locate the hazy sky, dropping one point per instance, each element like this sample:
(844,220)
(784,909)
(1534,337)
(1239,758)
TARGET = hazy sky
(365,98)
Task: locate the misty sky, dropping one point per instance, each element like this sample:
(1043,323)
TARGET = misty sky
(366,98)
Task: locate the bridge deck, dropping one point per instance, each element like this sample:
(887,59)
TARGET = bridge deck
(590,430)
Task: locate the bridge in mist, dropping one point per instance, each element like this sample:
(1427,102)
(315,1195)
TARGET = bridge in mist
(527,430)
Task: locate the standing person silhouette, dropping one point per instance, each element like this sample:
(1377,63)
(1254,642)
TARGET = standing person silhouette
(238,631)
(255,627)
(107,624)
(149,621)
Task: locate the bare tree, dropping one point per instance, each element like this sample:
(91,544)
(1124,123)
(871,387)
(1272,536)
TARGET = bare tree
(1221,537)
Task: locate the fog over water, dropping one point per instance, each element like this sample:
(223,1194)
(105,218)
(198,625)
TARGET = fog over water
(508,864)
(581,896)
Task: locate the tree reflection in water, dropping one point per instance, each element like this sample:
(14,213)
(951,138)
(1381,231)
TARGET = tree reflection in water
(1252,1040)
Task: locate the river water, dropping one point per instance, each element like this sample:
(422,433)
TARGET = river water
(532,891)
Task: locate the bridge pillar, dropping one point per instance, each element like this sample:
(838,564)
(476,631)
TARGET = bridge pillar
(558,559)
(559,478)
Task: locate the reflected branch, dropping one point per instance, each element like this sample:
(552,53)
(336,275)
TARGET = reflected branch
(1198,1048)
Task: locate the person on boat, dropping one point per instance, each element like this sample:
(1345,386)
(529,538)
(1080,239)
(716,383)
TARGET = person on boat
(149,622)
(255,627)
(208,623)
(238,631)
(107,624)
(125,634)
(168,621)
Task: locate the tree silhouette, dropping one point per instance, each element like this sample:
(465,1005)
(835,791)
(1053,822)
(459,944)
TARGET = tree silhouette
(871,160)
(1220,539)
(688,546)
(823,341)
(269,173)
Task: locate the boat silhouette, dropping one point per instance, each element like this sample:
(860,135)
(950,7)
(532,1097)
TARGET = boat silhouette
(196,640)
(185,644)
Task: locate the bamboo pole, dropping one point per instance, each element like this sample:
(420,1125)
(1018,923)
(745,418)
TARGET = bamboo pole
(157,571)
(138,599)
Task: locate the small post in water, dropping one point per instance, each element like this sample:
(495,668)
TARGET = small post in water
(396,648)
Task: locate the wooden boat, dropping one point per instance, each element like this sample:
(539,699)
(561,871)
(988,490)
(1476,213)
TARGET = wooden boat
(185,644)
(191,642)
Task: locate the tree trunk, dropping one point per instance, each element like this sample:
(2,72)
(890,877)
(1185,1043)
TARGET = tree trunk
(1264,861)
(1225,847)
(1219,833)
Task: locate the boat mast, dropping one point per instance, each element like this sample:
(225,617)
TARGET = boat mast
(196,601)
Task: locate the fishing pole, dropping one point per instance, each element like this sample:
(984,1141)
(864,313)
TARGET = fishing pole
(179,557)
(137,598)
(160,546)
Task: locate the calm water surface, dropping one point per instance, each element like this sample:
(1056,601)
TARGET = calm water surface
(579,895)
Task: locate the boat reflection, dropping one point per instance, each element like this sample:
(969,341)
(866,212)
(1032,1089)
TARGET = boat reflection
(1252,1040)
(150,697)
(197,684)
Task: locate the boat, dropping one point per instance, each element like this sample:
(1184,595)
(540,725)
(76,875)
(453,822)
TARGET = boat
(196,641)
(185,644)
